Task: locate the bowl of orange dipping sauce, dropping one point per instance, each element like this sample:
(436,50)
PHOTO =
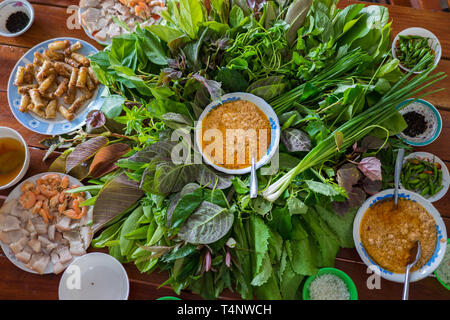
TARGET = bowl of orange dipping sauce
(14,157)
(231,130)
(384,234)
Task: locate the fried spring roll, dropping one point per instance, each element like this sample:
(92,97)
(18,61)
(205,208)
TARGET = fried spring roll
(43,87)
(73,48)
(62,87)
(45,71)
(93,76)
(39,59)
(24,102)
(36,110)
(29,74)
(78,103)
(73,78)
(81,79)
(59,45)
(63,69)
(19,78)
(65,113)
(25,88)
(50,110)
(54,55)
(81,59)
(70,95)
(71,62)
(36,98)
(90,85)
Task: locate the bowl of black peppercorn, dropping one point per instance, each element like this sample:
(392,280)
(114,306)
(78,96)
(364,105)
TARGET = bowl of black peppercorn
(423,122)
(16,17)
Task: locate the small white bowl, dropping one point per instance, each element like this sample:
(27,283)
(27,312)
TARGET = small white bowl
(264,107)
(432,117)
(441,242)
(6,132)
(433,42)
(445,174)
(94,276)
(8,7)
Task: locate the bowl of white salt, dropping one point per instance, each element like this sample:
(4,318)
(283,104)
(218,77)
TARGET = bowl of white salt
(330,284)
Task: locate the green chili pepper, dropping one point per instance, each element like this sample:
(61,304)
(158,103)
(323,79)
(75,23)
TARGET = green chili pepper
(437,190)
(425,191)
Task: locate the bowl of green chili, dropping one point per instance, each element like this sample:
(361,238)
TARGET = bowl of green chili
(425,174)
(412,44)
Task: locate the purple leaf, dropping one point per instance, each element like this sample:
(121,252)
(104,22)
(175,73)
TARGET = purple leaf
(347,176)
(213,87)
(356,197)
(371,187)
(84,151)
(295,140)
(371,167)
(341,207)
(96,118)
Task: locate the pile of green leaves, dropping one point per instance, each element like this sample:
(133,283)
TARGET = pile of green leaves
(321,68)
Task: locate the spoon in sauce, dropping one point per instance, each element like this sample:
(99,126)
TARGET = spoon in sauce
(253,180)
(414,256)
(397,172)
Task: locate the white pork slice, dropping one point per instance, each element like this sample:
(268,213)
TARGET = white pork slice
(102,34)
(41,264)
(86,236)
(30,227)
(40,225)
(64,254)
(8,206)
(114,30)
(51,232)
(89,3)
(90,18)
(23,256)
(35,244)
(9,223)
(18,246)
(77,248)
(54,257)
(108,4)
(9,237)
(63,224)
(58,268)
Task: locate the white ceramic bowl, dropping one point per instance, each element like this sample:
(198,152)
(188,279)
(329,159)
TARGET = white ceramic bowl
(6,132)
(8,7)
(445,174)
(94,276)
(441,243)
(432,117)
(433,42)
(264,107)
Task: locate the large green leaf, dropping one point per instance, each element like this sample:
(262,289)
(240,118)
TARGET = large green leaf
(207,224)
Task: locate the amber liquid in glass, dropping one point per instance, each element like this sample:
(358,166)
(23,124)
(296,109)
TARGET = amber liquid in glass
(12,157)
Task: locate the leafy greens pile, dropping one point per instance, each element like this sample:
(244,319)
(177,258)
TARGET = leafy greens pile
(328,74)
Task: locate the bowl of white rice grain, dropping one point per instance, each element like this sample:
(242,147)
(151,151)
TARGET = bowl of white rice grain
(330,284)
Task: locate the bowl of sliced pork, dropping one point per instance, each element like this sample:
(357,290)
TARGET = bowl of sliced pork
(43,224)
(103,20)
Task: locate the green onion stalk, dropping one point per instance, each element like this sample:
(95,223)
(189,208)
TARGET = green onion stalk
(359,126)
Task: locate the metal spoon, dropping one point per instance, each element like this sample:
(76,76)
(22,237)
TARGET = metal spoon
(253,180)
(414,254)
(397,172)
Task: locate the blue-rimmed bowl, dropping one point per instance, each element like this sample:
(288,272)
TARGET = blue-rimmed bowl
(264,107)
(432,117)
(441,242)
(59,125)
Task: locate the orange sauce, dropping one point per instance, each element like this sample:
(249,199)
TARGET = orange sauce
(388,233)
(12,157)
(234,131)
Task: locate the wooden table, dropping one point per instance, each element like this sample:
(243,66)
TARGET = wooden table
(51,17)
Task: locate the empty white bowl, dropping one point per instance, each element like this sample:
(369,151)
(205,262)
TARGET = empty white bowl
(433,42)
(6,132)
(94,276)
(8,7)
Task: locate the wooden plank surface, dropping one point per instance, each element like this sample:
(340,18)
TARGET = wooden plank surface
(51,18)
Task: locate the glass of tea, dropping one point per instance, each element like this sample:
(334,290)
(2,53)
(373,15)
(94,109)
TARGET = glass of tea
(14,157)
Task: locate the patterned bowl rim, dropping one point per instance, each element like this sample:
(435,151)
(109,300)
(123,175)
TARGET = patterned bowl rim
(264,107)
(435,113)
(441,242)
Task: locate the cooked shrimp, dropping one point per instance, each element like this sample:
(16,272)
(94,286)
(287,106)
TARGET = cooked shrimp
(71,214)
(27,200)
(48,192)
(54,201)
(65,182)
(27,186)
(44,213)
(62,207)
(76,206)
(37,207)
